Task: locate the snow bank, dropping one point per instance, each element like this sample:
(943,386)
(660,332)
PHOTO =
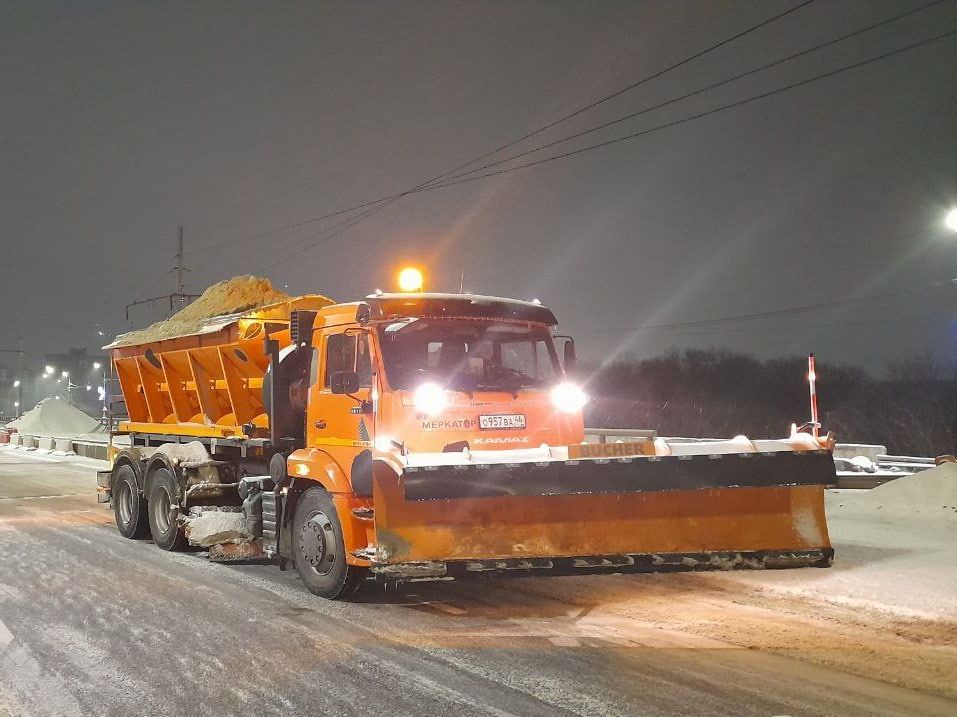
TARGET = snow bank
(894,550)
(928,495)
(236,295)
(51,417)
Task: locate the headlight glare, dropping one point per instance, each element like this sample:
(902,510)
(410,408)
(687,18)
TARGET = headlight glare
(430,398)
(568,398)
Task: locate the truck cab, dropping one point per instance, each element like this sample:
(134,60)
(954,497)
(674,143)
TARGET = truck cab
(400,379)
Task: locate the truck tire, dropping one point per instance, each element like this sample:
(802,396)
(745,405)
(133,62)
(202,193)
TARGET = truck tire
(129,508)
(318,548)
(164,525)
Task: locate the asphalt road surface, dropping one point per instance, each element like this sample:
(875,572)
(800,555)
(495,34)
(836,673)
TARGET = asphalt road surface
(93,624)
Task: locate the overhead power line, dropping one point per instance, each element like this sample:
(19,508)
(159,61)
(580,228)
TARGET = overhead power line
(699,115)
(511,143)
(335,232)
(778,313)
(702,90)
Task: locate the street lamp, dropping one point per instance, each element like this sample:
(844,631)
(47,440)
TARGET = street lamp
(48,369)
(951,219)
(65,374)
(18,398)
(96,365)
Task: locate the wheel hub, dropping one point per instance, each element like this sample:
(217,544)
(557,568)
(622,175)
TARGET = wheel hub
(126,499)
(163,511)
(317,543)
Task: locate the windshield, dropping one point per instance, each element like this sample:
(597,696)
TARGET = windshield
(467,355)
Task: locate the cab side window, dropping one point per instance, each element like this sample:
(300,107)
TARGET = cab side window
(364,362)
(348,352)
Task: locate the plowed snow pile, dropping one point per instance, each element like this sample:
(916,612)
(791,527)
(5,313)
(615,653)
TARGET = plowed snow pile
(893,550)
(930,494)
(51,417)
(241,293)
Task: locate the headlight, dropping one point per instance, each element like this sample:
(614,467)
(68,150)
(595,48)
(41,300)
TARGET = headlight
(430,398)
(568,398)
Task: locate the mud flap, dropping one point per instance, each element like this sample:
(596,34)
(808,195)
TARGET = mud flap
(739,503)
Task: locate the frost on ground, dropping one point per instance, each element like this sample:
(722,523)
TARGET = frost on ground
(894,550)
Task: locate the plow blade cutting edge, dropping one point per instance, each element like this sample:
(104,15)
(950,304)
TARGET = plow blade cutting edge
(648,513)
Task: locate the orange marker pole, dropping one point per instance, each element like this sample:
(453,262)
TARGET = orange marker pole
(812,383)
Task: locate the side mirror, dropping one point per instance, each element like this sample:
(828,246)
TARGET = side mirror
(344,382)
(568,355)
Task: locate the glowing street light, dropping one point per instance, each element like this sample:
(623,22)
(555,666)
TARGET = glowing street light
(951,219)
(16,383)
(64,374)
(48,369)
(96,365)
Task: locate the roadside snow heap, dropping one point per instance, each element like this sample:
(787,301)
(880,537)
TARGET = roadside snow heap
(52,417)
(928,495)
(233,296)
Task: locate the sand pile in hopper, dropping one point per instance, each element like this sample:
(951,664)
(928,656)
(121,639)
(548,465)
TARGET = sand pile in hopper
(241,293)
(52,417)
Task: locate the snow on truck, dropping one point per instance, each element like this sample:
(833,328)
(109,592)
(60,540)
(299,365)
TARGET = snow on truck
(417,435)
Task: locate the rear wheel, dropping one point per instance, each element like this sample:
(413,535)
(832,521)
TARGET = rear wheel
(163,508)
(129,509)
(319,550)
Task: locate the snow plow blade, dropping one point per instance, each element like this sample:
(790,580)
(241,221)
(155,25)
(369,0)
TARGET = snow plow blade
(756,510)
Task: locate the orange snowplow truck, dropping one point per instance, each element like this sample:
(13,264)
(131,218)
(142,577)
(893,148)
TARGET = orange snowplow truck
(418,436)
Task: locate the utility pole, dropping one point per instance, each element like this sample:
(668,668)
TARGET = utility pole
(179,298)
(180,289)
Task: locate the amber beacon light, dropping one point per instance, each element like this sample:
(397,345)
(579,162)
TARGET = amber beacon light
(410,279)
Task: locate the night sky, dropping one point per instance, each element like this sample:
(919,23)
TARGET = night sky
(121,121)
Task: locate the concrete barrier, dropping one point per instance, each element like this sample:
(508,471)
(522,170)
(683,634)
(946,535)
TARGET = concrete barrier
(28,442)
(45,444)
(63,446)
(90,449)
(15,439)
(851,450)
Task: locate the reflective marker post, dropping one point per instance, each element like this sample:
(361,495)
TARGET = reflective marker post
(812,383)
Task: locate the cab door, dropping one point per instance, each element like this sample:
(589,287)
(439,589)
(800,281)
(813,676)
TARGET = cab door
(341,424)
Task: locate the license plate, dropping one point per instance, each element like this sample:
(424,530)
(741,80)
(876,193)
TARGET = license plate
(504,420)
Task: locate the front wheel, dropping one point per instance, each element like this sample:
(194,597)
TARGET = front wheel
(319,550)
(163,508)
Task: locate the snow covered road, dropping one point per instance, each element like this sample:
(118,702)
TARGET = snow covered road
(93,624)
